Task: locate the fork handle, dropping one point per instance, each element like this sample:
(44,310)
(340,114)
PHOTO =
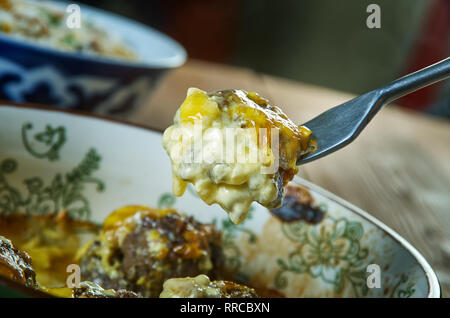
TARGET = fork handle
(414,81)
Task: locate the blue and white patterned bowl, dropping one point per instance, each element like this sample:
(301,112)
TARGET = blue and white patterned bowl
(31,72)
(119,164)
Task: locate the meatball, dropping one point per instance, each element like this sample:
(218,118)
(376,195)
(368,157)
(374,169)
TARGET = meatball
(139,248)
(16,264)
(92,290)
(202,287)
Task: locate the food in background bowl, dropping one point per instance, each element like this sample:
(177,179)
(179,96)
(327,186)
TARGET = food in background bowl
(82,68)
(45,24)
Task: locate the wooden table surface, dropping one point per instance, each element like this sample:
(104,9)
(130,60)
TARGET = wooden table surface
(398,169)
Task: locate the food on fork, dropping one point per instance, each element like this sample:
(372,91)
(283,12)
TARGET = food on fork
(235,148)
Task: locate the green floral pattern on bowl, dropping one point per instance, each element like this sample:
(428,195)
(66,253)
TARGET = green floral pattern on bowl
(330,251)
(65,192)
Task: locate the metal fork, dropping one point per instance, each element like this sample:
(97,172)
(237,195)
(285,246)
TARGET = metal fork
(340,125)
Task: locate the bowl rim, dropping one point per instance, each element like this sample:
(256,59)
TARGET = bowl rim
(434,288)
(161,63)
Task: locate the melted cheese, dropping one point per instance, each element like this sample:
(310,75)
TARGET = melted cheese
(190,287)
(198,145)
(45,24)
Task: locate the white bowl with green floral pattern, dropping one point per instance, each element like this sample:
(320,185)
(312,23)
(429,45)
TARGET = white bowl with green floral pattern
(52,160)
